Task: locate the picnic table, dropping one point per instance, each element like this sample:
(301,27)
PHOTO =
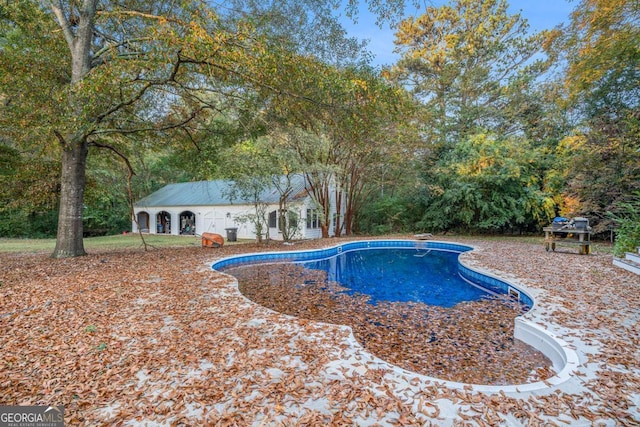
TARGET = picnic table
(568,236)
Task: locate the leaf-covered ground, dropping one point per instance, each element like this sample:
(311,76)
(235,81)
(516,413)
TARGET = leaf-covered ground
(157,338)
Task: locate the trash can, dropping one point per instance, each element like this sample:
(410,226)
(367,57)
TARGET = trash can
(232,234)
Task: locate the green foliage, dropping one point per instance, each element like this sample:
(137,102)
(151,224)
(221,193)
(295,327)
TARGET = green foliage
(310,27)
(627,219)
(601,167)
(27,181)
(384,215)
(601,47)
(488,128)
(468,61)
(35,225)
(486,184)
(278,89)
(33,70)
(106,202)
(28,194)
(104,220)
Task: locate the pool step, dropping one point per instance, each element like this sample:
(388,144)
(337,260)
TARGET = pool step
(632,256)
(630,262)
(421,254)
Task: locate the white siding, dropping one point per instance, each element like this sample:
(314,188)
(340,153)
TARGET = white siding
(216,219)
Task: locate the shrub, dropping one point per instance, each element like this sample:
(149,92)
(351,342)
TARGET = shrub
(35,225)
(628,220)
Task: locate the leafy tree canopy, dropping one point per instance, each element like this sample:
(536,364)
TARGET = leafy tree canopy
(466,60)
(102,73)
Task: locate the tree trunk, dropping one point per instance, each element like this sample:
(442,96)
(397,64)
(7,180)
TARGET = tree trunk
(69,242)
(338,229)
(326,211)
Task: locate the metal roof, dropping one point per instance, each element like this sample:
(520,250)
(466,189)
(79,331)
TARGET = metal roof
(212,193)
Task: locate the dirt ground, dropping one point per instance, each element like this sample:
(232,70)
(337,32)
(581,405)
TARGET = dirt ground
(157,338)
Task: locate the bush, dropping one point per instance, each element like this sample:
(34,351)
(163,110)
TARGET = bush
(103,221)
(383,216)
(628,231)
(35,225)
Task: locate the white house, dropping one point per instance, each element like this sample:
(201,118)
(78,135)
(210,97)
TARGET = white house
(212,207)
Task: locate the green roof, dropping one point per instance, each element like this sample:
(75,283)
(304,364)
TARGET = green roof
(212,193)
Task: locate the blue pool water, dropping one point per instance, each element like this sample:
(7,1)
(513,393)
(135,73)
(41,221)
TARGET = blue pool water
(429,276)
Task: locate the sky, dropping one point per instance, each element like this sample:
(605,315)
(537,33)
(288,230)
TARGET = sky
(541,15)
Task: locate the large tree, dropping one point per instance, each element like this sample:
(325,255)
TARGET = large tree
(128,68)
(475,68)
(82,74)
(489,183)
(466,60)
(339,143)
(601,157)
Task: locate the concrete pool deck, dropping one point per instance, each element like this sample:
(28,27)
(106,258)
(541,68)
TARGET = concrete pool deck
(159,339)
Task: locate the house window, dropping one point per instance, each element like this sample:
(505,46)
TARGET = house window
(273,219)
(313,219)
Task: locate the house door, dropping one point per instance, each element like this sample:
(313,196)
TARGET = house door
(143,222)
(219,222)
(163,223)
(209,225)
(187,223)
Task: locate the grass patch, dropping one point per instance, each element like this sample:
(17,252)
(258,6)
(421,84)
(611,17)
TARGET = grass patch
(120,241)
(133,241)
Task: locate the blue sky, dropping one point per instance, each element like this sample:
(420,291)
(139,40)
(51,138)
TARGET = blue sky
(541,15)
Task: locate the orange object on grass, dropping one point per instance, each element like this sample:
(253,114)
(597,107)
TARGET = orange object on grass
(212,240)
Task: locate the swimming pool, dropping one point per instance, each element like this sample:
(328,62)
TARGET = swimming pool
(428,276)
(430,271)
(381,323)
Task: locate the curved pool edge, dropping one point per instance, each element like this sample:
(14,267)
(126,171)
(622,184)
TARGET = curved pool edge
(564,359)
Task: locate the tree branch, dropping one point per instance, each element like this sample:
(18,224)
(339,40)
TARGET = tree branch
(171,126)
(113,45)
(63,22)
(140,93)
(60,138)
(140,15)
(255,81)
(117,152)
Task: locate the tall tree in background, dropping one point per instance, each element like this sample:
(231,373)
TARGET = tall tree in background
(364,137)
(475,69)
(601,46)
(339,141)
(310,27)
(489,183)
(464,60)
